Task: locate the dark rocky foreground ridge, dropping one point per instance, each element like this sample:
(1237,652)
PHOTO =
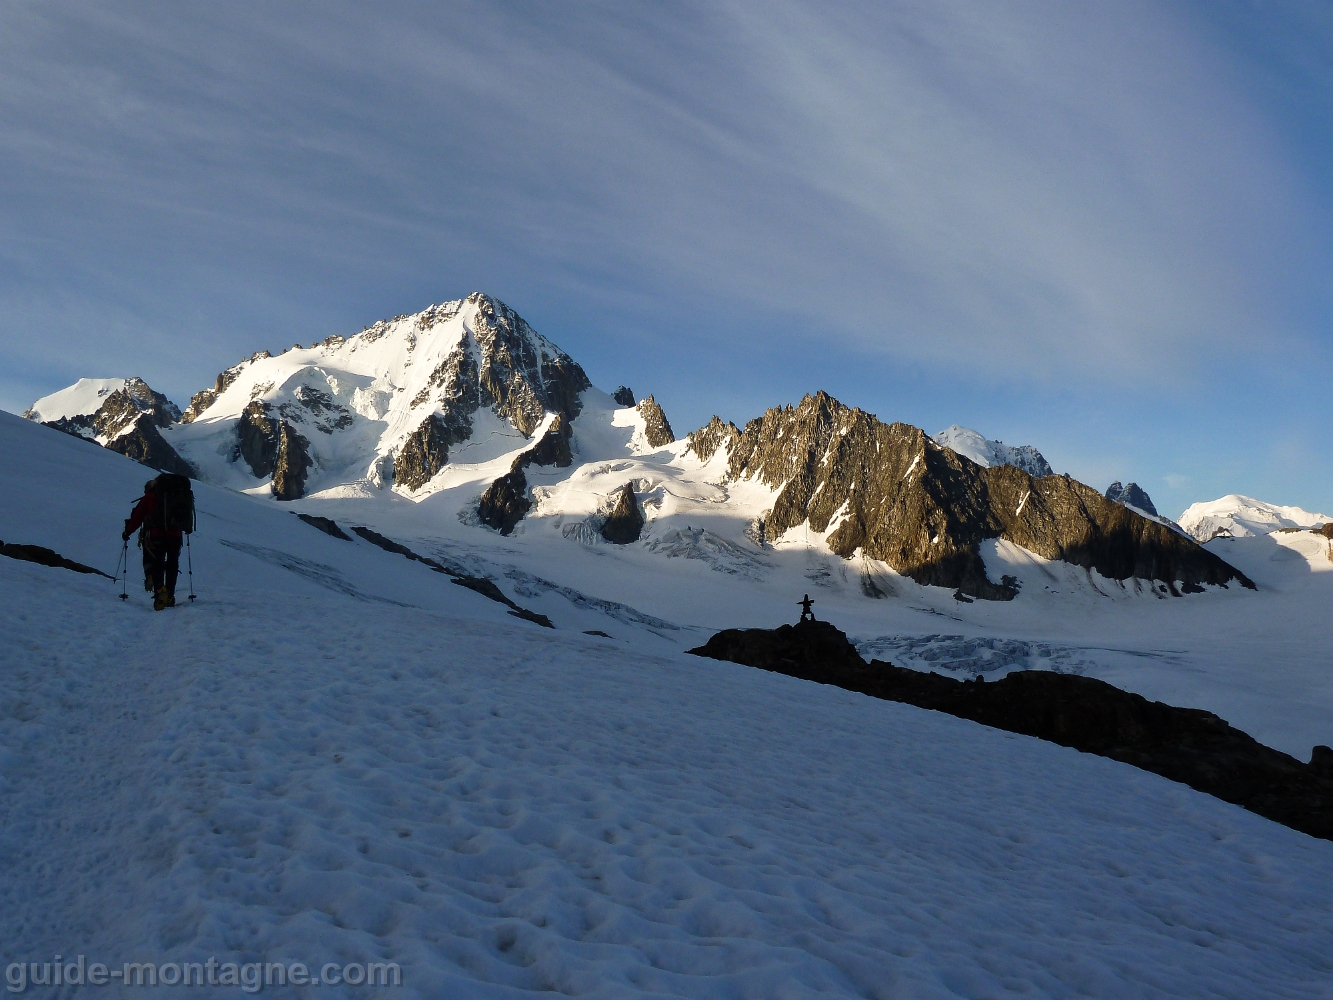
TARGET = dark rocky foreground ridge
(892,492)
(1187,745)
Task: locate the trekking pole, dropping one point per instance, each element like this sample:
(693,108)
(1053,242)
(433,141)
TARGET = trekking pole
(189,561)
(125,565)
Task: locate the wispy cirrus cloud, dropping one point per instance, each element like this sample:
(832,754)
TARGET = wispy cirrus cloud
(1108,197)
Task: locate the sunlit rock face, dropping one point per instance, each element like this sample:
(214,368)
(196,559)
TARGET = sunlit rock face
(893,493)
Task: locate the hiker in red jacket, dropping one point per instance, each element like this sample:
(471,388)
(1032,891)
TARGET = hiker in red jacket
(161,547)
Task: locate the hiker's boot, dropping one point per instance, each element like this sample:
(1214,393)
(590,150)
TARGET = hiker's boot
(160,599)
(148,584)
(171,600)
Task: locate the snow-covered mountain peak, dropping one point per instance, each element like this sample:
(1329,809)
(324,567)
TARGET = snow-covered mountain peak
(984,451)
(103,408)
(1236,516)
(386,403)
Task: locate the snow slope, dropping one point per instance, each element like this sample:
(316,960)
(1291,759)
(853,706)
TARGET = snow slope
(1235,516)
(83,398)
(337,757)
(983,451)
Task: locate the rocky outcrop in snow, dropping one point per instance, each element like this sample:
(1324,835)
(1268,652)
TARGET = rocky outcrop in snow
(623,395)
(892,493)
(1131,496)
(625,522)
(257,439)
(289,472)
(505,502)
(657,429)
(144,443)
(205,398)
(426,450)
(983,451)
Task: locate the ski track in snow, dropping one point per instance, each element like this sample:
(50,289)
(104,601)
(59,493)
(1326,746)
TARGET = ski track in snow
(503,812)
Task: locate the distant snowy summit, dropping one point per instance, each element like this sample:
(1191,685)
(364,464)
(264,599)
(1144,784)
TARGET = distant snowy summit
(1236,516)
(985,452)
(124,415)
(1131,496)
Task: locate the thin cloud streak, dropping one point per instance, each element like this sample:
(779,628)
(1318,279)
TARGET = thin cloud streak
(1003,191)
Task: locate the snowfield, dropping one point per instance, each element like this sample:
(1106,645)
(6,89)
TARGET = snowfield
(337,756)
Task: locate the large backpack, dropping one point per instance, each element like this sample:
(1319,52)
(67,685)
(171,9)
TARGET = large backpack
(175,503)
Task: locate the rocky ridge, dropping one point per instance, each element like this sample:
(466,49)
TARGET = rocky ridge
(894,494)
(657,428)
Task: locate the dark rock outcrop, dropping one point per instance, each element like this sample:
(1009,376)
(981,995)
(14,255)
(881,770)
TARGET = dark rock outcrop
(552,449)
(505,501)
(657,429)
(623,395)
(426,450)
(1321,760)
(46,557)
(293,463)
(144,443)
(625,522)
(325,524)
(1187,745)
(925,510)
(257,439)
(1132,495)
(812,650)
(273,447)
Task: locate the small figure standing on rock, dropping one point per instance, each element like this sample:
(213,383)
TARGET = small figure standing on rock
(806,614)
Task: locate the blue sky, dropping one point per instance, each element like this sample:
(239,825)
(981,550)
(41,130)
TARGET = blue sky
(1102,229)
